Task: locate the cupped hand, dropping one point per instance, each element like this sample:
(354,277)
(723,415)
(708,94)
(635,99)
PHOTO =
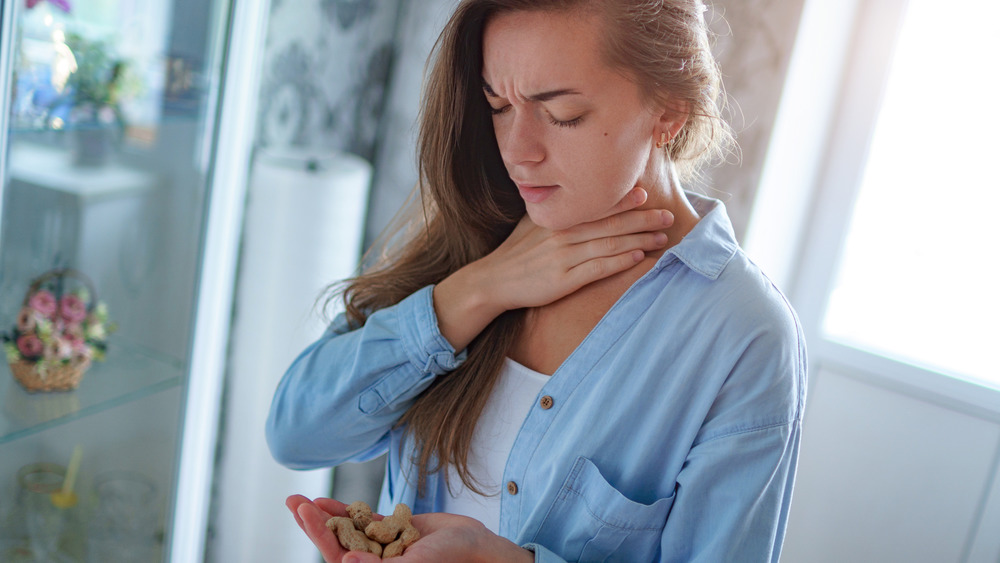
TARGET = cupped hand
(443,537)
(311,516)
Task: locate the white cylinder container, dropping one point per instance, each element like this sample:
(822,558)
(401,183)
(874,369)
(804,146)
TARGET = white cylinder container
(303,231)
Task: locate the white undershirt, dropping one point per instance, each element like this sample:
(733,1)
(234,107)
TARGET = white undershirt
(505,411)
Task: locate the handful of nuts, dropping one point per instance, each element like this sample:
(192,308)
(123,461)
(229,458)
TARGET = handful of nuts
(385,538)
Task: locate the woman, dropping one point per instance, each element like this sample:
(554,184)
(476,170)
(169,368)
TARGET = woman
(571,359)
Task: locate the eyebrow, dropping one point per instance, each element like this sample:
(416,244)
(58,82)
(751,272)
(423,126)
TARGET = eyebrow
(540,97)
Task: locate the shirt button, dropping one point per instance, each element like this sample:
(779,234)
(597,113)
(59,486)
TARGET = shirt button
(512,487)
(546,402)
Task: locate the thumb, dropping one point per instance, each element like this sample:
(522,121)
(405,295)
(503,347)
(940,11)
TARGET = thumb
(634,198)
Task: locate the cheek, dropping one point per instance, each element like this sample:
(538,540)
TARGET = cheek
(633,150)
(614,162)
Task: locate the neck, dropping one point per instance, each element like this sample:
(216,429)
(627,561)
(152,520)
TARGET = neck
(665,192)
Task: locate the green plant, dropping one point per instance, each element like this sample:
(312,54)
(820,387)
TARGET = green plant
(99,82)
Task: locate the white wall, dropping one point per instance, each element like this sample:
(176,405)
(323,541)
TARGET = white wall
(887,476)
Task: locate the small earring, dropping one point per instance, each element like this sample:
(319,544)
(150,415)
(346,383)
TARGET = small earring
(663,141)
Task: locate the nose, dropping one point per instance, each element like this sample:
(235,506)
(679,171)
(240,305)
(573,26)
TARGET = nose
(520,138)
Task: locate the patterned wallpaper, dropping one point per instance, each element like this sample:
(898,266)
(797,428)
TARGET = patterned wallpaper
(395,164)
(325,71)
(754,40)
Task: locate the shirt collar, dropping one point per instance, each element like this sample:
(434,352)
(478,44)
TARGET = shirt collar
(711,244)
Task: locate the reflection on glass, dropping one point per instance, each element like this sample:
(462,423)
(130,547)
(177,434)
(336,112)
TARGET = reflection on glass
(95,67)
(111,108)
(44,520)
(104,174)
(122,526)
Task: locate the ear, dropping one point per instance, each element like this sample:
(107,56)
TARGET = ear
(672,118)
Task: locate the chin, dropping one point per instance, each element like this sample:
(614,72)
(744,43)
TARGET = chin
(553,221)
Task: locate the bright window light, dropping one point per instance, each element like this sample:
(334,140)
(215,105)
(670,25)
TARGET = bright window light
(919,280)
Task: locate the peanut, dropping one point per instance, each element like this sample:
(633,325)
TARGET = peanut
(406,539)
(361,513)
(386,538)
(351,538)
(389,528)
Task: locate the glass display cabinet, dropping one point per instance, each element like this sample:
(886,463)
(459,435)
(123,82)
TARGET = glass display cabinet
(123,152)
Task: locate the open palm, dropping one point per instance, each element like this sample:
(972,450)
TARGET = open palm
(443,537)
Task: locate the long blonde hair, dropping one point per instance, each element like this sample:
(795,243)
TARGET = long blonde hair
(468,205)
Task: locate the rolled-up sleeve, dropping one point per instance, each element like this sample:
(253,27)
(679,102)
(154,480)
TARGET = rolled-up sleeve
(342,395)
(542,554)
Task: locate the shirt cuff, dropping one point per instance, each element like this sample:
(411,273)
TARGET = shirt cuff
(427,352)
(425,346)
(543,555)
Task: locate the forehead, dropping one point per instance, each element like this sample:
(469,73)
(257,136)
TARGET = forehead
(533,50)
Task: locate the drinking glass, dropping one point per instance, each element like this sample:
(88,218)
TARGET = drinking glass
(44,521)
(123,525)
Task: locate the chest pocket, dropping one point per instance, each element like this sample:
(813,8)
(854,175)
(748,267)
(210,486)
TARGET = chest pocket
(591,521)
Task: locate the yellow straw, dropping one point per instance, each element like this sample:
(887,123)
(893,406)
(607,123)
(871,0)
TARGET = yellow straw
(74,466)
(66,498)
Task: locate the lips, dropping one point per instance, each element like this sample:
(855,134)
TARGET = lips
(535,194)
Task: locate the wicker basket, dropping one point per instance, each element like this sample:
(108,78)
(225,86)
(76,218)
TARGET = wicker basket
(61,378)
(64,377)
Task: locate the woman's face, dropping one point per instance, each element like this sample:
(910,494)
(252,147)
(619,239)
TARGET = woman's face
(575,135)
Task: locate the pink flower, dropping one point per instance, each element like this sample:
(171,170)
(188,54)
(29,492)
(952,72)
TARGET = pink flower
(74,340)
(57,349)
(61,4)
(26,321)
(60,349)
(72,309)
(74,330)
(30,346)
(44,302)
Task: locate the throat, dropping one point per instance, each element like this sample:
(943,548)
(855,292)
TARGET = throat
(552,332)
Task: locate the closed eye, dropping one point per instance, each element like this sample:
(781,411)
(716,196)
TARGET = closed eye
(568,123)
(557,122)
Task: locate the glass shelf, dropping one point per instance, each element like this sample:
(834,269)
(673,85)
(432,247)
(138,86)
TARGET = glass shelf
(129,374)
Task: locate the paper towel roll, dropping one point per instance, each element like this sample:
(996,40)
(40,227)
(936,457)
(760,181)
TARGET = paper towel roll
(303,230)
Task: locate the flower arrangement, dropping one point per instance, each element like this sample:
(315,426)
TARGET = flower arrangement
(57,334)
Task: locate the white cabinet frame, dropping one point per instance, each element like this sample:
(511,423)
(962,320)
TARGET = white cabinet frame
(239,52)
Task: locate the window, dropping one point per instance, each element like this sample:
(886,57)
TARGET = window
(919,278)
(879,206)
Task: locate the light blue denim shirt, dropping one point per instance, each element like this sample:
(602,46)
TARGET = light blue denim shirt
(672,433)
